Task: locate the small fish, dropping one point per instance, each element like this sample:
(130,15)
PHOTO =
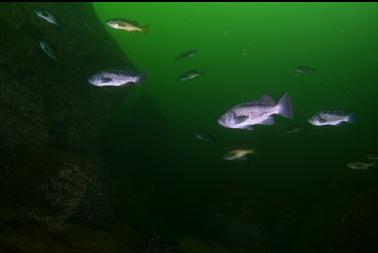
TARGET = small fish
(356,165)
(45,15)
(47,49)
(238,154)
(116,78)
(303,69)
(203,136)
(244,116)
(334,118)
(372,156)
(293,130)
(191,74)
(186,55)
(127,25)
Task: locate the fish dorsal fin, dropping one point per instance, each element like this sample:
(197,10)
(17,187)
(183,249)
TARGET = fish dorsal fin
(267,100)
(134,22)
(125,20)
(252,103)
(339,112)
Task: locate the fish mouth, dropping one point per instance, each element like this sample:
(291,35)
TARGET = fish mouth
(93,82)
(220,122)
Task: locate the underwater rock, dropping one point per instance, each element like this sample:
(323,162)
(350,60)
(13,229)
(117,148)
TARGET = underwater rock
(158,245)
(52,127)
(235,231)
(50,105)
(22,235)
(344,222)
(49,185)
(37,94)
(189,244)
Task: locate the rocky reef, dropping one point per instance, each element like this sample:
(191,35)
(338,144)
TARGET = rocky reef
(52,126)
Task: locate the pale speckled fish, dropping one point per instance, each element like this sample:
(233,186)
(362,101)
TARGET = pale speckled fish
(244,116)
(116,78)
(127,25)
(334,118)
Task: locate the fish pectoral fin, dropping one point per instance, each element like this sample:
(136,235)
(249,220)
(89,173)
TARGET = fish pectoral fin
(241,119)
(267,121)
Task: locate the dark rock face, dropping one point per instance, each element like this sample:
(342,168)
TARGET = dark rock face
(51,102)
(345,222)
(53,120)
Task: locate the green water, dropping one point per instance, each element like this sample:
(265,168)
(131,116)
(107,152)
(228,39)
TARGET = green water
(246,50)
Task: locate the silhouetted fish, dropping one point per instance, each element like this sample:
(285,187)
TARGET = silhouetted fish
(186,55)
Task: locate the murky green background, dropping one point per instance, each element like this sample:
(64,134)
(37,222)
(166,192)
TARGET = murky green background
(247,50)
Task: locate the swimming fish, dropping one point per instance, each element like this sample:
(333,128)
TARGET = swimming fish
(127,25)
(334,118)
(372,156)
(356,165)
(47,49)
(116,78)
(293,130)
(203,136)
(303,69)
(186,55)
(244,116)
(191,74)
(45,15)
(238,154)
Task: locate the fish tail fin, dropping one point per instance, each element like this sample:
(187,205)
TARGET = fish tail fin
(203,73)
(145,29)
(140,78)
(352,118)
(285,106)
